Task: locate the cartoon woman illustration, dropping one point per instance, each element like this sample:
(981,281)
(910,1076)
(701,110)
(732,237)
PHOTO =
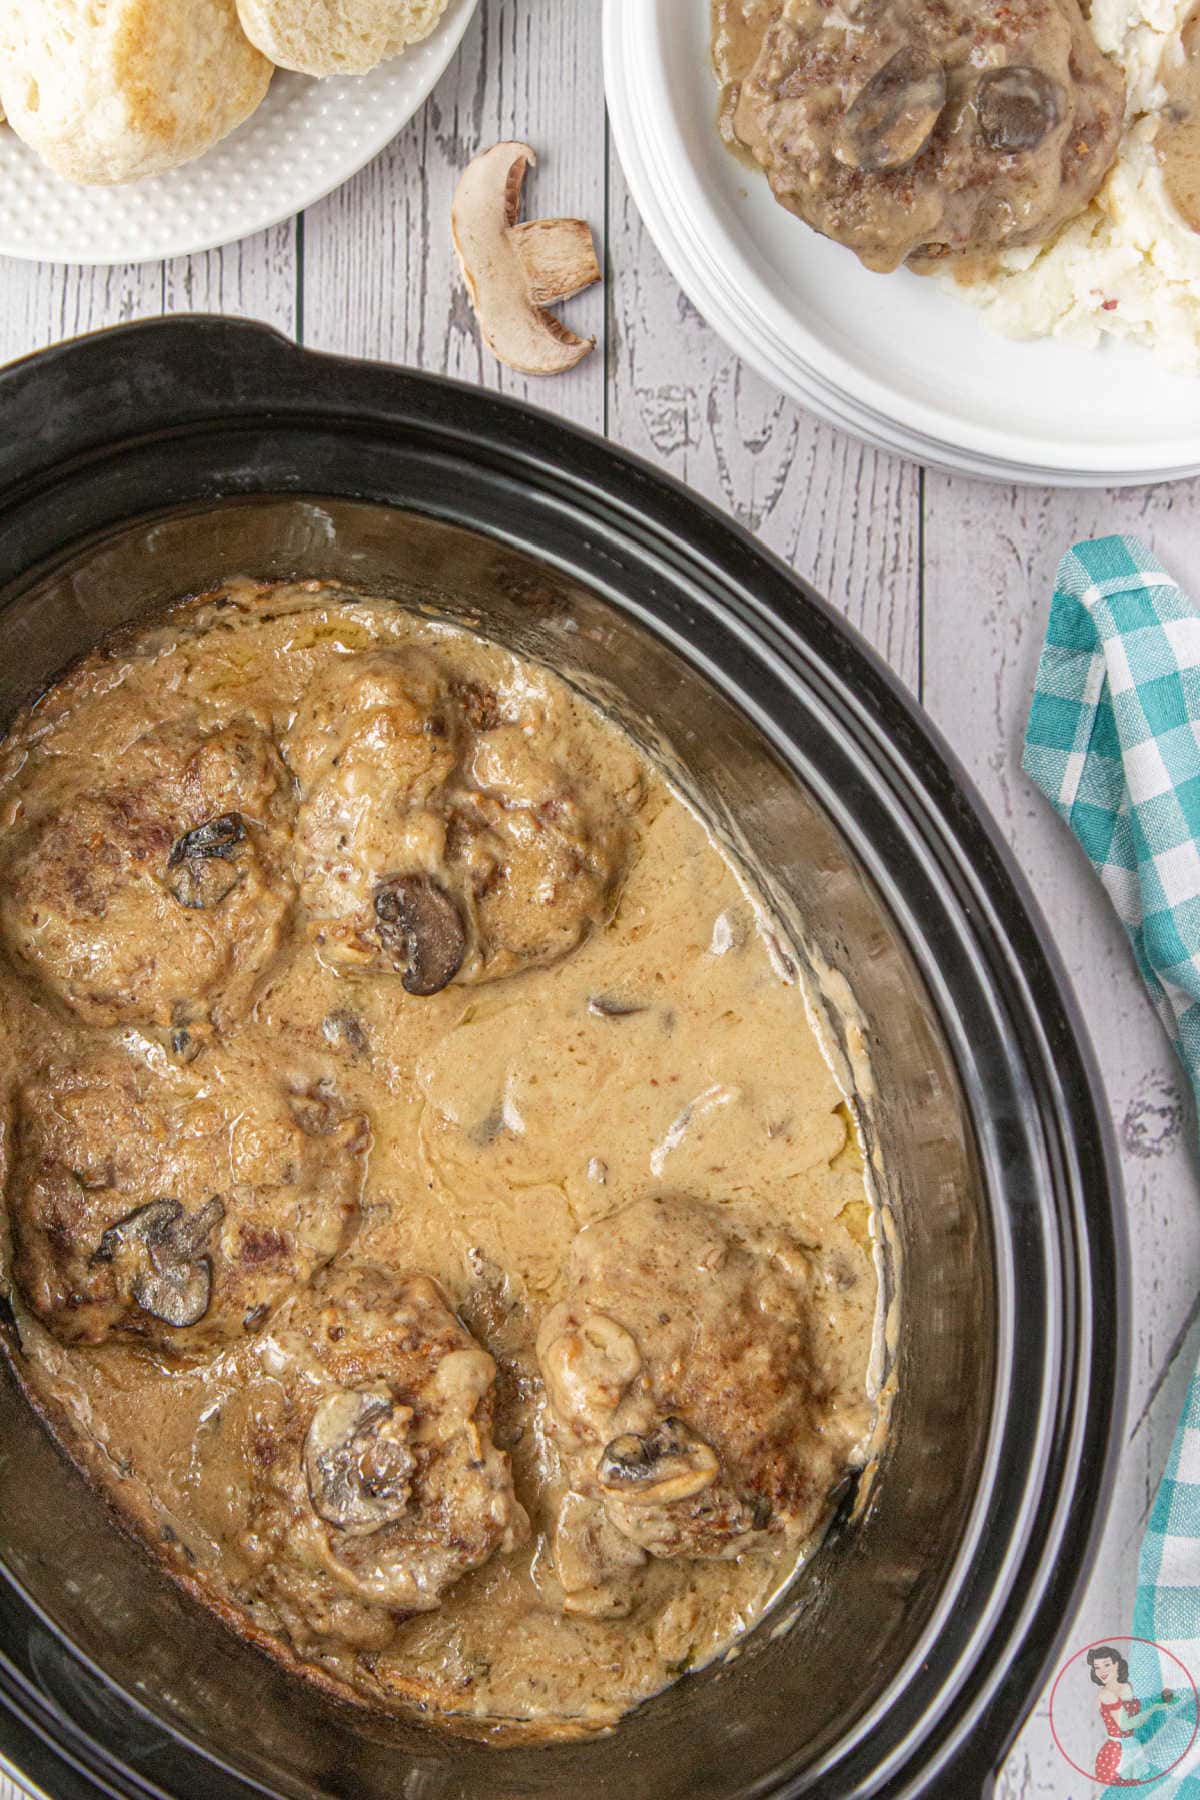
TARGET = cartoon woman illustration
(1119,1706)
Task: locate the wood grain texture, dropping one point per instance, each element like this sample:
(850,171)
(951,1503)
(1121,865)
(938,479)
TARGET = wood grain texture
(990,557)
(844,516)
(371,272)
(380,276)
(42,303)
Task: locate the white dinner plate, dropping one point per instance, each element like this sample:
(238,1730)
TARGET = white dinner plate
(306,138)
(891,358)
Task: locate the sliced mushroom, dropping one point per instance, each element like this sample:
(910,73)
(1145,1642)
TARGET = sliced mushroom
(421,928)
(667,1463)
(185,1045)
(604,1006)
(513,271)
(892,118)
(558,257)
(344,1031)
(216,837)
(357,1461)
(171,1277)
(200,869)
(1017,107)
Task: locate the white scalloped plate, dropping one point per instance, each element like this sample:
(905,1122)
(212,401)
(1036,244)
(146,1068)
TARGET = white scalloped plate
(306,138)
(892,358)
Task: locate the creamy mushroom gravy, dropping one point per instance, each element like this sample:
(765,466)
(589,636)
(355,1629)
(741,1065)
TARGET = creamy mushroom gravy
(1178,139)
(432,1217)
(914,132)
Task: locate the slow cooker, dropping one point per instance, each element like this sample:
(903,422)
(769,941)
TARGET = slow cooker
(147,462)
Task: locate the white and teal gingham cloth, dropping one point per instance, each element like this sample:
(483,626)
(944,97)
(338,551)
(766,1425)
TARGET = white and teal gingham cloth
(1114,743)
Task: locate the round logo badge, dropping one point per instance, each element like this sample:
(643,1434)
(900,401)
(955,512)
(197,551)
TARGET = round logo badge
(1124,1711)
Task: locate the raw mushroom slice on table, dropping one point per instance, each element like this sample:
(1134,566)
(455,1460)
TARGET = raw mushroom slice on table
(515,271)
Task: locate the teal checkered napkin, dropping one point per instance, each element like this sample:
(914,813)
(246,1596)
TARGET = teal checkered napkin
(1114,743)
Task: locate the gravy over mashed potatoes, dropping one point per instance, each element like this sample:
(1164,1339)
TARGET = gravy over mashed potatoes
(1128,268)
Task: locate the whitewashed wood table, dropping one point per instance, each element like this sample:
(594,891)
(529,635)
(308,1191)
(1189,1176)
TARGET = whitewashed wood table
(949,579)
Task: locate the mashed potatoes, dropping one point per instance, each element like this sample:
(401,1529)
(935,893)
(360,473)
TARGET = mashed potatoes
(1129,266)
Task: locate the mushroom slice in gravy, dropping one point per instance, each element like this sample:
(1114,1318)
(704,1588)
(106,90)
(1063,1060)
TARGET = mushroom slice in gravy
(172,1280)
(682,1385)
(155,880)
(377,1481)
(421,928)
(450,832)
(141,1207)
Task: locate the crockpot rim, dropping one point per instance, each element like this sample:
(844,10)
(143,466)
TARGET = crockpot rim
(521,435)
